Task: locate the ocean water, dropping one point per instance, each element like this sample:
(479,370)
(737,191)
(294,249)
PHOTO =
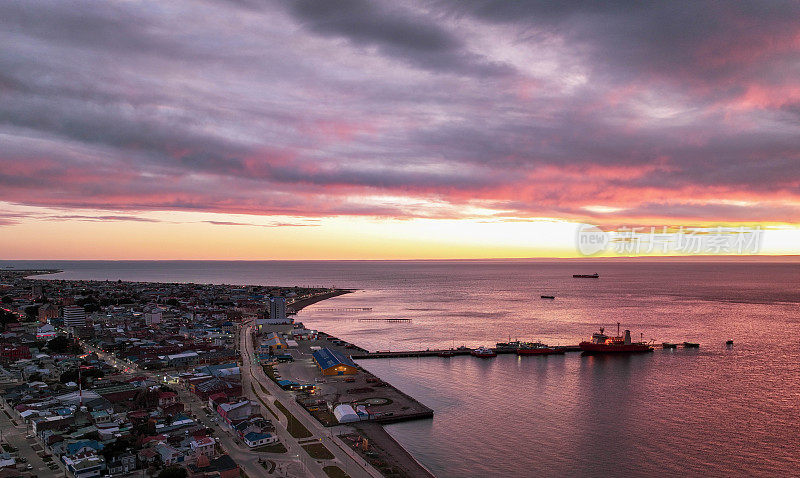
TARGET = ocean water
(714,411)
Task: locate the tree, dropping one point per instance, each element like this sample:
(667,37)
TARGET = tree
(173,472)
(59,344)
(6,318)
(31,312)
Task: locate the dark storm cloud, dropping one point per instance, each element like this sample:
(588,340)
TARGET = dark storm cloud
(688,40)
(401,109)
(397,32)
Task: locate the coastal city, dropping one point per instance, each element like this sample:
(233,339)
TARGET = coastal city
(112,378)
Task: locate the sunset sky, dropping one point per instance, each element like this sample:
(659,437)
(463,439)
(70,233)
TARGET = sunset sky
(258,129)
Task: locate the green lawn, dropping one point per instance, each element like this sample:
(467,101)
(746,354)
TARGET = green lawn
(276,448)
(335,472)
(318,451)
(295,428)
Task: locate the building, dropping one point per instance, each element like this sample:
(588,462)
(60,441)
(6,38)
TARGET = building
(202,446)
(345,414)
(331,362)
(277,309)
(121,464)
(9,353)
(74,316)
(273,343)
(47,312)
(254,439)
(232,412)
(84,466)
(152,316)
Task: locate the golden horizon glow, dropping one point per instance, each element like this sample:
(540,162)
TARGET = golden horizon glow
(41,234)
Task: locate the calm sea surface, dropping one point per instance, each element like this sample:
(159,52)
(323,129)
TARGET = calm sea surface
(718,411)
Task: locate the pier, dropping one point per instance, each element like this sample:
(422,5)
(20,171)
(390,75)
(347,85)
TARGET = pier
(343,309)
(438,352)
(377,319)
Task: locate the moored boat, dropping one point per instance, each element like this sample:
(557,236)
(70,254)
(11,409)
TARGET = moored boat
(537,348)
(603,344)
(668,345)
(446,353)
(548,297)
(483,352)
(691,345)
(586,276)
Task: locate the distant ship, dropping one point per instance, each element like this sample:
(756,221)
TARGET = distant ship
(548,297)
(537,348)
(603,344)
(483,352)
(587,276)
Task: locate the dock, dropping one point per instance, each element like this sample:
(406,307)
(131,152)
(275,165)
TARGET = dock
(438,352)
(377,319)
(343,309)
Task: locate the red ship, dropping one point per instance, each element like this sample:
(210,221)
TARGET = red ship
(603,344)
(537,349)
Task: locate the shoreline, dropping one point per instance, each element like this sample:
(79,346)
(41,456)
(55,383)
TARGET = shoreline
(374,431)
(299,305)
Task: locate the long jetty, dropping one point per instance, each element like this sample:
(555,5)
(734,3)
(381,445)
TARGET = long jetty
(439,352)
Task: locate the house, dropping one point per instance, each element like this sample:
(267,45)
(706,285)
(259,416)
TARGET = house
(84,465)
(224,466)
(217,385)
(233,412)
(124,463)
(254,439)
(83,446)
(168,455)
(331,362)
(202,446)
(166,399)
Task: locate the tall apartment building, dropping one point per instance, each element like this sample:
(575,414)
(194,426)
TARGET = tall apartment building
(74,316)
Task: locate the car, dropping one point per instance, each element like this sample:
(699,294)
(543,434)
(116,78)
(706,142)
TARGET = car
(29,467)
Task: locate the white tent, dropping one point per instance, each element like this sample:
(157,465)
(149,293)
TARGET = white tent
(345,414)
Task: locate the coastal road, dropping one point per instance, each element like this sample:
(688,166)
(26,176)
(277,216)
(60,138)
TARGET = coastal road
(253,377)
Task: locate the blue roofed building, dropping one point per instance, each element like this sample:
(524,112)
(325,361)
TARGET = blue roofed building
(331,362)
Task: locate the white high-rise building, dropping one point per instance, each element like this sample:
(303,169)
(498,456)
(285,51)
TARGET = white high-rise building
(74,316)
(152,316)
(277,310)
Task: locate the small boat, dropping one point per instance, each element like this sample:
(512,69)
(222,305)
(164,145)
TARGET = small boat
(668,345)
(446,353)
(483,352)
(538,348)
(586,276)
(603,344)
(548,297)
(729,342)
(691,345)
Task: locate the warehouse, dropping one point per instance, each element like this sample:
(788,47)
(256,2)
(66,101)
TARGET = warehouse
(331,362)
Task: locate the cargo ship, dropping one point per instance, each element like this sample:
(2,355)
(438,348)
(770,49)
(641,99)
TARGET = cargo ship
(537,348)
(483,352)
(586,276)
(603,344)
